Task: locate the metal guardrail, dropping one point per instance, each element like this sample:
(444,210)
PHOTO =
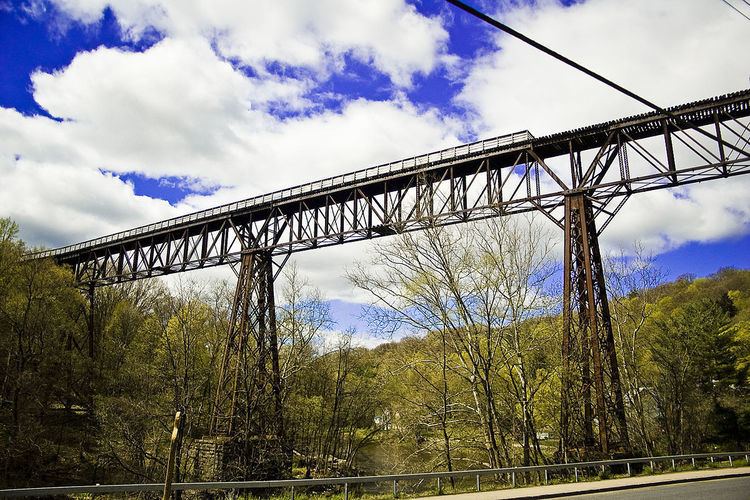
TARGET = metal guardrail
(578,469)
(435,157)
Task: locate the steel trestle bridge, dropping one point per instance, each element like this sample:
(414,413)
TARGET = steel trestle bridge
(504,175)
(578,179)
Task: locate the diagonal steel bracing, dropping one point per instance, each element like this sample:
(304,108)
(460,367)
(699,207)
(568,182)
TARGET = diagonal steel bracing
(588,349)
(247,404)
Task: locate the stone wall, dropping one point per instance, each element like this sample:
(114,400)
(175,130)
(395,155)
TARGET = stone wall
(209,458)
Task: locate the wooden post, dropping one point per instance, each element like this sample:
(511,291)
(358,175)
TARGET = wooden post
(170,461)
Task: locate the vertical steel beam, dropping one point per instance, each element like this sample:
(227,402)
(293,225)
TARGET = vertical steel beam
(670,151)
(90,333)
(720,142)
(565,396)
(232,363)
(592,327)
(274,351)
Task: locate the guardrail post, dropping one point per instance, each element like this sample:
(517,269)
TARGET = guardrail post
(673,467)
(629,472)
(693,460)
(479,484)
(395,488)
(747,462)
(346,491)
(172,452)
(651,463)
(292,492)
(546,477)
(513,479)
(730,461)
(575,471)
(712,459)
(440,485)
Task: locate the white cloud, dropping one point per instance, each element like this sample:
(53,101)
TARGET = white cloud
(58,204)
(177,109)
(182,109)
(389,34)
(664,220)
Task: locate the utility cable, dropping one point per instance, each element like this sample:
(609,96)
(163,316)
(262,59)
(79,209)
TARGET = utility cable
(507,29)
(738,11)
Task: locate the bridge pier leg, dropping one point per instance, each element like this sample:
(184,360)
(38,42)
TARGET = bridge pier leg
(588,349)
(91,293)
(247,416)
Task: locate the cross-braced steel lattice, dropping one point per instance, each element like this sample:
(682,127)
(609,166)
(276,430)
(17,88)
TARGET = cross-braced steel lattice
(588,350)
(247,404)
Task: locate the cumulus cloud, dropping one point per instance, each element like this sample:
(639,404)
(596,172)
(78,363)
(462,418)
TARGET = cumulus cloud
(178,109)
(317,36)
(203,104)
(57,204)
(671,51)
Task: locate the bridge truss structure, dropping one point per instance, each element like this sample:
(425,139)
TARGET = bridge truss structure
(578,179)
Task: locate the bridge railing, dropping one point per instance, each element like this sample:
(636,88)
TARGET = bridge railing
(574,470)
(448,154)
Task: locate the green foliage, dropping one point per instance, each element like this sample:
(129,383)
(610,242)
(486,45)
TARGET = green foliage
(478,379)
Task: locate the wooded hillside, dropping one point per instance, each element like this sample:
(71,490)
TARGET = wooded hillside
(474,382)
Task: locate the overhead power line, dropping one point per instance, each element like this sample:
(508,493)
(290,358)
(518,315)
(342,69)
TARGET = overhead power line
(738,11)
(507,29)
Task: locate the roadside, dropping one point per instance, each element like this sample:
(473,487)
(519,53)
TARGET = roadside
(569,489)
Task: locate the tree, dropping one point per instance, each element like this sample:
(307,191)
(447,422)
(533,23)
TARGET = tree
(631,284)
(691,351)
(41,379)
(478,286)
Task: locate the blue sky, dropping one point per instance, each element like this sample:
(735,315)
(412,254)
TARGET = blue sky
(118,113)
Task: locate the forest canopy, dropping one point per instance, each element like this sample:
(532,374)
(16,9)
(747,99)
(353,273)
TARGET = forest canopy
(472,382)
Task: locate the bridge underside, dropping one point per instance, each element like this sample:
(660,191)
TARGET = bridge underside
(579,180)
